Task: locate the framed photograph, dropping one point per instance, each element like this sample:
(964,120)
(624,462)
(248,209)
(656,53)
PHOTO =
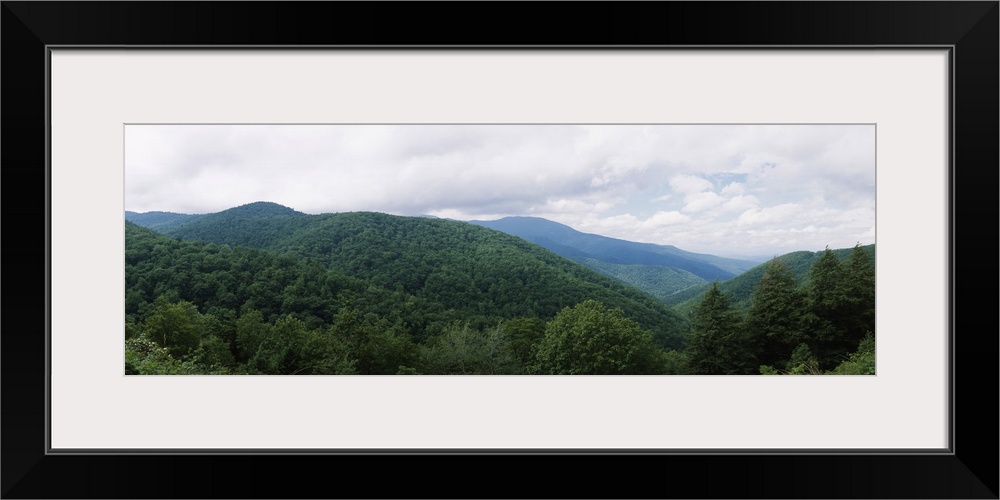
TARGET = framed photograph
(200,162)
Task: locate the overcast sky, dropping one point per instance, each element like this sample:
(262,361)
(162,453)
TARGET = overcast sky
(747,190)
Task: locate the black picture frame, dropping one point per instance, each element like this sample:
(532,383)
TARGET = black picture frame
(969,28)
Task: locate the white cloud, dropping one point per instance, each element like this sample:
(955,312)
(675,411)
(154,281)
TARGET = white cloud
(689,184)
(701,201)
(664,184)
(660,219)
(734,189)
(741,202)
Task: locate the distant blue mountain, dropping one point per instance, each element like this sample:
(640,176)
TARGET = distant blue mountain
(657,269)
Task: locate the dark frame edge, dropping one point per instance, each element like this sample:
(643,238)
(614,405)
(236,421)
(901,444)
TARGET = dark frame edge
(961,456)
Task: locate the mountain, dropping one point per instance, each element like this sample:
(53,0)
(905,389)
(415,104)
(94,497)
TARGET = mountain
(164,221)
(659,270)
(259,225)
(159,221)
(451,269)
(740,288)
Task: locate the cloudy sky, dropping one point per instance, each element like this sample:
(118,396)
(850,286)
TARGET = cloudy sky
(730,190)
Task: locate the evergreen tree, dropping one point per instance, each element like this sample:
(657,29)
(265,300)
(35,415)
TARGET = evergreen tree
(774,320)
(826,309)
(717,345)
(859,296)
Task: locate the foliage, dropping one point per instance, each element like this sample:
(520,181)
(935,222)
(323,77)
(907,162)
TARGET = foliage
(718,343)
(267,290)
(461,350)
(826,313)
(145,357)
(774,320)
(860,362)
(176,326)
(802,362)
(447,270)
(591,339)
(740,288)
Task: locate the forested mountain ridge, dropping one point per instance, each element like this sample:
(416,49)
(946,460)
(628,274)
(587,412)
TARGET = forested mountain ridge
(164,221)
(455,270)
(659,270)
(159,221)
(569,242)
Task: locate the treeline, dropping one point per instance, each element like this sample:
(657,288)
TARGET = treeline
(826,325)
(587,339)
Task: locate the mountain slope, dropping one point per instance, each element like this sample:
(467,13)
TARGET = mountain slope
(740,288)
(453,270)
(658,281)
(159,221)
(663,270)
(259,225)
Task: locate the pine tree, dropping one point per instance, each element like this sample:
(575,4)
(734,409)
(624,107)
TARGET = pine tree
(826,309)
(717,346)
(859,296)
(775,320)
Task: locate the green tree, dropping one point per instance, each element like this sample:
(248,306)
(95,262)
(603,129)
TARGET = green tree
(250,334)
(213,354)
(717,345)
(774,322)
(858,314)
(145,357)
(677,363)
(376,346)
(465,351)
(280,351)
(591,339)
(174,325)
(524,334)
(860,362)
(826,314)
(802,362)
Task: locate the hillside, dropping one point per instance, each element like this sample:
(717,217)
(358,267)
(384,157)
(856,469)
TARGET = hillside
(740,288)
(659,270)
(159,221)
(658,281)
(452,270)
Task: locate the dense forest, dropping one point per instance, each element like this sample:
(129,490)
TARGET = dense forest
(263,289)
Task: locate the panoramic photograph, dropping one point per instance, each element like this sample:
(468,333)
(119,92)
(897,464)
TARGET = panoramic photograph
(555,249)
